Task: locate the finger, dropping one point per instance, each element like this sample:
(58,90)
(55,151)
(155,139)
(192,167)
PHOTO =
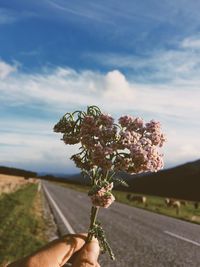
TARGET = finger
(88,255)
(55,254)
(75,242)
(97,265)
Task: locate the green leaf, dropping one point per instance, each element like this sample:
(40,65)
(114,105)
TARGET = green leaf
(120,181)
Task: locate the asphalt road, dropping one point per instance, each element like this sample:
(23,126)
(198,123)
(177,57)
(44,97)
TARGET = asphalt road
(139,238)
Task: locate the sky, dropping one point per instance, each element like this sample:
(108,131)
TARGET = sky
(140,58)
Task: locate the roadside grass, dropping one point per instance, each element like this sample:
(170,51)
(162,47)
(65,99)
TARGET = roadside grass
(21,223)
(157,205)
(154,204)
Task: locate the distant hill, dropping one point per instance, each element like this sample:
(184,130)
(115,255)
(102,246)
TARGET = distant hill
(59,174)
(16,172)
(79,179)
(181,182)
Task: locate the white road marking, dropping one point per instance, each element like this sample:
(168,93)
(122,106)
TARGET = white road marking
(182,238)
(65,221)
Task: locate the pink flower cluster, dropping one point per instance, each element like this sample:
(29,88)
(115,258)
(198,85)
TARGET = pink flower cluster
(140,141)
(98,136)
(132,146)
(146,158)
(69,130)
(95,130)
(106,120)
(128,138)
(103,197)
(100,156)
(130,122)
(153,129)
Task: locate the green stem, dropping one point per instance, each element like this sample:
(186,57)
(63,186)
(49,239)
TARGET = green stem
(94,212)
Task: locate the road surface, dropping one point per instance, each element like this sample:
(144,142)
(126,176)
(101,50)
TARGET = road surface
(139,238)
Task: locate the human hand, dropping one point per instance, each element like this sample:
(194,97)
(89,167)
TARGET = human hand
(72,247)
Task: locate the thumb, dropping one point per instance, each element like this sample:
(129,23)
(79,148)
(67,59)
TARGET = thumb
(88,255)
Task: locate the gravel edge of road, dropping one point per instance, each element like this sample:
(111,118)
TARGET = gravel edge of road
(52,231)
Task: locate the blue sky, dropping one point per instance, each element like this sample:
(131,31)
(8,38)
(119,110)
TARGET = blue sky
(128,57)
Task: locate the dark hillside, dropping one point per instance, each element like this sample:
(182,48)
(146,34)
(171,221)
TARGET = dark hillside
(16,172)
(180,182)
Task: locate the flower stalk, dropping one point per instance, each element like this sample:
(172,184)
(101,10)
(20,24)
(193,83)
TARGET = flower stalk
(93,218)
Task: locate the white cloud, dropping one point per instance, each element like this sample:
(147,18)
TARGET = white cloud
(182,144)
(191,42)
(66,86)
(62,89)
(164,66)
(33,149)
(6,69)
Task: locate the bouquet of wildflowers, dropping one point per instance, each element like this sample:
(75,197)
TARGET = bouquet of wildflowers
(106,148)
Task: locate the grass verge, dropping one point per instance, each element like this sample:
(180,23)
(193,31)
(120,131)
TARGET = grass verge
(22,225)
(154,204)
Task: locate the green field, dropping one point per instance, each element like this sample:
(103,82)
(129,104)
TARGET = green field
(22,225)
(154,204)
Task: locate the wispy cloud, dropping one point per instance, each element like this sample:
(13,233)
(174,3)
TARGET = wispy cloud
(131,10)
(131,25)
(192,42)
(6,69)
(178,65)
(147,57)
(35,151)
(86,10)
(28,143)
(7,16)
(61,89)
